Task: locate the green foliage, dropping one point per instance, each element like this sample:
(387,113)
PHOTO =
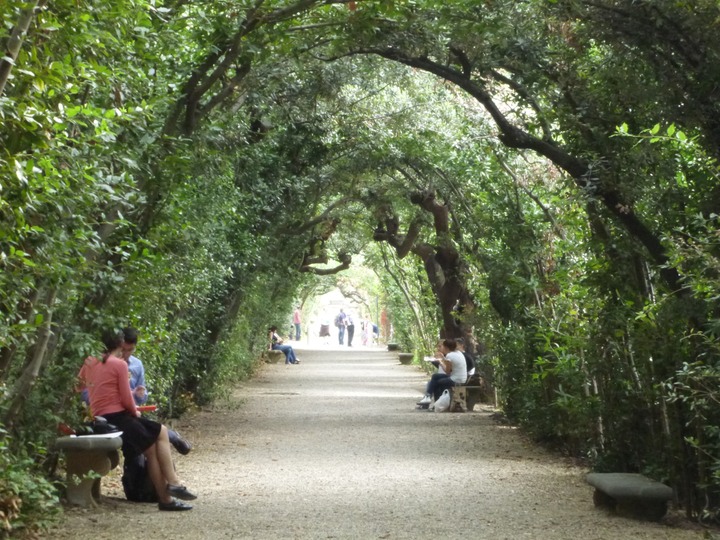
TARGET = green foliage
(170,167)
(28,501)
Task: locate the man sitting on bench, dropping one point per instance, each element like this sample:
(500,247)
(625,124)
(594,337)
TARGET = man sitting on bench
(137,384)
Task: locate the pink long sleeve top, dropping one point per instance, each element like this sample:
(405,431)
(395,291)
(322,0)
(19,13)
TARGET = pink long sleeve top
(108,385)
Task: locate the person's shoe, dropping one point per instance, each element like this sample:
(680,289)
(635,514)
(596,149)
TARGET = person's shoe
(174,506)
(426,400)
(181,445)
(181,492)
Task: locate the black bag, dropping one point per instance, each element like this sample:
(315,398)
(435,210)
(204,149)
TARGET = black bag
(101,426)
(136,481)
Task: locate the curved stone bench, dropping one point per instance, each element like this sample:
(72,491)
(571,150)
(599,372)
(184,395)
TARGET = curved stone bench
(84,455)
(632,494)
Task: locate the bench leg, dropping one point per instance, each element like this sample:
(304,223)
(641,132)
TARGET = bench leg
(604,500)
(83,489)
(458,396)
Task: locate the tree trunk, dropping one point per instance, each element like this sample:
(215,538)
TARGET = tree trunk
(14,42)
(35,360)
(442,262)
(24,312)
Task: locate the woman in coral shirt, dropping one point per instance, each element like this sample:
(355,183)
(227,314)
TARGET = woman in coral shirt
(107,382)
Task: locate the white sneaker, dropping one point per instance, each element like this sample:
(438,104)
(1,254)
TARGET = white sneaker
(426,400)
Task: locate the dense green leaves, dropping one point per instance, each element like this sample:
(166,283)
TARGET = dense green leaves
(174,166)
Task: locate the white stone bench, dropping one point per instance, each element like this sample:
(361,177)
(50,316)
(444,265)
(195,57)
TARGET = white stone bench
(630,494)
(85,455)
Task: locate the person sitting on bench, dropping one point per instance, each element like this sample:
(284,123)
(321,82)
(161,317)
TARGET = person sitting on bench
(137,384)
(106,379)
(452,371)
(276,344)
(469,359)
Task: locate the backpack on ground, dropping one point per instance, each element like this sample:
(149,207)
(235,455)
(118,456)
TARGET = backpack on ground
(136,481)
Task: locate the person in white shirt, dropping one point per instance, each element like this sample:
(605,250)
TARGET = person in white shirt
(452,371)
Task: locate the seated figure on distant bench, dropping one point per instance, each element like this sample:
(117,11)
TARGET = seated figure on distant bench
(276,344)
(452,370)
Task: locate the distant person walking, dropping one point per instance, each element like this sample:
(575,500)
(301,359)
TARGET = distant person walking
(350,324)
(340,323)
(325,329)
(297,322)
(367,332)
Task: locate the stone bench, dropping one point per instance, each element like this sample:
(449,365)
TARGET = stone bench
(464,397)
(85,455)
(406,357)
(273,357)
(630,494)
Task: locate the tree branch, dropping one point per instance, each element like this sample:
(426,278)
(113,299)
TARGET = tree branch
(513,137)
(345,261)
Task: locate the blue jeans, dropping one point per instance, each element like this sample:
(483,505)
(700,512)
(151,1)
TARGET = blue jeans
(297,331)
(289,353)
(341,334)
(437,383)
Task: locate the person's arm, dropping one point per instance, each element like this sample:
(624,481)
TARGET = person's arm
(137,384)
(446,365)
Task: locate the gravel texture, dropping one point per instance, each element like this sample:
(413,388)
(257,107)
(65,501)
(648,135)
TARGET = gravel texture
(334,448)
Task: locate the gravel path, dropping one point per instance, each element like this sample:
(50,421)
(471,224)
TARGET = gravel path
(333,448)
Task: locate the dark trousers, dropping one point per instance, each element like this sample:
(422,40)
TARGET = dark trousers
(438,383)
(351,333)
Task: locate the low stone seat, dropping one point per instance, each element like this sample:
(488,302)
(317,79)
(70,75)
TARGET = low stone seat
(630,493)
(464,397)
(406,357)
(273,357)
(84,455)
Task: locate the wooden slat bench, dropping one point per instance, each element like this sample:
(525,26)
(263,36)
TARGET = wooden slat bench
(630,494)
